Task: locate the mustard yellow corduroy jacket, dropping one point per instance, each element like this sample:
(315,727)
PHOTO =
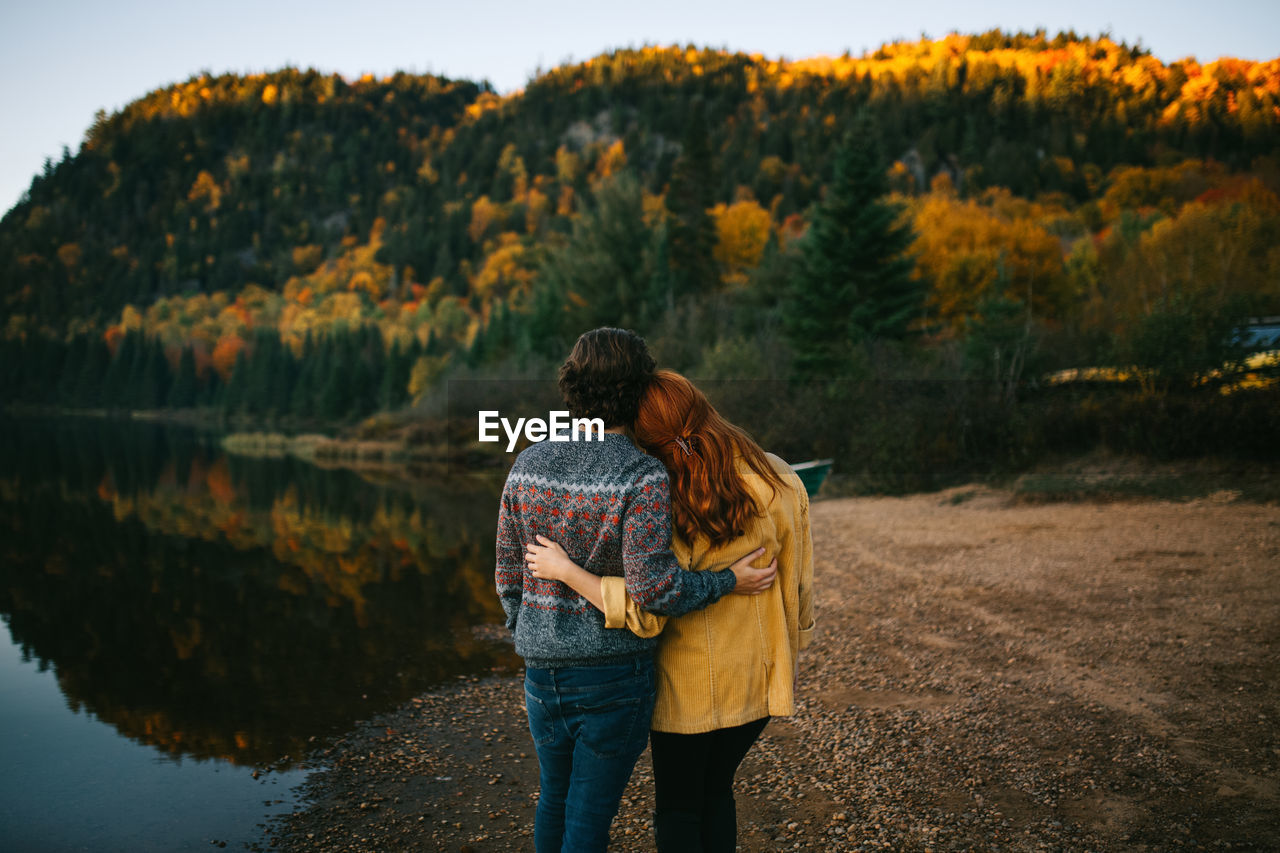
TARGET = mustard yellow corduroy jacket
(734,661)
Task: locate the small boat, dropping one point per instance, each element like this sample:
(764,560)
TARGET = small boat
(812,473)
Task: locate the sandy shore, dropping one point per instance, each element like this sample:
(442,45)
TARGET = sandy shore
(988,675)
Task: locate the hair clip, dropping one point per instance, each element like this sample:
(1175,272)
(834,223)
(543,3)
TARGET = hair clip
(684,445)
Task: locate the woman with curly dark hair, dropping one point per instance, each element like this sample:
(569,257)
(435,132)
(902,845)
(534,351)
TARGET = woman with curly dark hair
(589,691)
(725,670)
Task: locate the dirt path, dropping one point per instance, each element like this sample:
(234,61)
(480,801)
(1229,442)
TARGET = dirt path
(987,676)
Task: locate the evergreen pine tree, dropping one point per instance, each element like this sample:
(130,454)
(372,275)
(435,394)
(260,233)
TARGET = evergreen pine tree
(250,384)
(283,379)
(210,389)
(548,317)
(301,400)
(92,374)
(369,362)
(263,366)
(233,396)
(134,397)
(69,376)
(116,385)
(662,286)
(10,376)
(155,378)
(692,234)
(387,397)
(475,352)
(855,279)
(182,394)
(336,382)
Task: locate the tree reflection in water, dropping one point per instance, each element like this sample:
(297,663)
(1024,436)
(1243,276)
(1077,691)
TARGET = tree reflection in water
(231,608)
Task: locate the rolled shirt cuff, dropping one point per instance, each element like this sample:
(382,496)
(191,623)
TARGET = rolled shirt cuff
(614,592)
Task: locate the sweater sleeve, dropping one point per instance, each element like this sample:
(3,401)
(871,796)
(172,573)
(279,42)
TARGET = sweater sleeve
(653,575)
(510,568)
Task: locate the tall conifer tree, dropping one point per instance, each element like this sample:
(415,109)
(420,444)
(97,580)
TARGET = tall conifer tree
(691,233)
(855,279)
(182,394)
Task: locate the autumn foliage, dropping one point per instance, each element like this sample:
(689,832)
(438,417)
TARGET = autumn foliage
(432,225)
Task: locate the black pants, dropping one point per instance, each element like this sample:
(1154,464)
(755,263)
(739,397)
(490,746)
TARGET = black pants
(693,782)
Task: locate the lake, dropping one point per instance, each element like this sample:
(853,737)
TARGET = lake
(185,625)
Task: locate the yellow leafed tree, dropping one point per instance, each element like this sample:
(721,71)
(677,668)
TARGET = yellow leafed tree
(611,161)
(206,190)
(1214,251)
(742,230)
(962,248)
(504,273)
(484,215)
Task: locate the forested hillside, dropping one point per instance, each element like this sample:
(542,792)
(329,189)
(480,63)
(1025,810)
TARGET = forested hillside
(296,244)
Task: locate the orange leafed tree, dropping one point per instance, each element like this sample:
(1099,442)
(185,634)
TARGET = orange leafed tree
(963,247)
(224,354)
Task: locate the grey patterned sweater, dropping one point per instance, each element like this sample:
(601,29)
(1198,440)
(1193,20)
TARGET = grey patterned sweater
(609,506)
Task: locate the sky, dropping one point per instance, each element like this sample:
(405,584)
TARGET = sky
(62,60)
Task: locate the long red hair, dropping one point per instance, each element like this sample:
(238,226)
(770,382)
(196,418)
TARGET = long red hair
(679,426)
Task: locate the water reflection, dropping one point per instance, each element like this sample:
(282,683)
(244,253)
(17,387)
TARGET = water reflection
(230,608)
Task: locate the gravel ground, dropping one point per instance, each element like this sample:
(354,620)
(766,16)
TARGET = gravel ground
(988,675)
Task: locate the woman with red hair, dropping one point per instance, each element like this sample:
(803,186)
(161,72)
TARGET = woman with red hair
(725,670)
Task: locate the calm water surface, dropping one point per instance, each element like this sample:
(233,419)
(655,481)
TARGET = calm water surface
(179,619)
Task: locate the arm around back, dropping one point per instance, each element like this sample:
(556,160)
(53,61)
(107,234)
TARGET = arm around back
(653,575)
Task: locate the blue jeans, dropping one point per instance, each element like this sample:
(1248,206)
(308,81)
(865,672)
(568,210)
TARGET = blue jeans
(589,725)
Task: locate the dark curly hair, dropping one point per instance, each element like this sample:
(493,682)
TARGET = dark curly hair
(605,376)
